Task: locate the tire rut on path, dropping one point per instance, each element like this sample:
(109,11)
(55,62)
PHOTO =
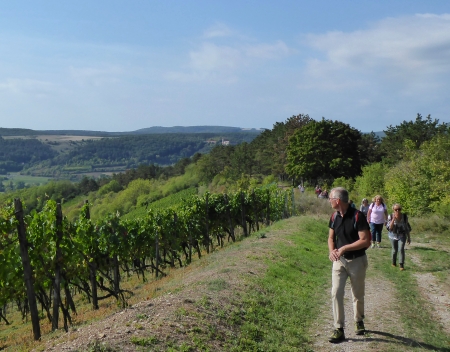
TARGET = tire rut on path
(384,331)
(434,293)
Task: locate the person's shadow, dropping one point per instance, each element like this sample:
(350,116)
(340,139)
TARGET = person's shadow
(370,335)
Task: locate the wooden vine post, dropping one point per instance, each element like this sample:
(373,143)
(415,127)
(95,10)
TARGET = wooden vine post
(268,209)
(27,269)
(58,260)
(156,252)
(293,202)
(92,270)
(230,219)
(243,222)
(206,239)
(174,240)
(190,243)
(286,208)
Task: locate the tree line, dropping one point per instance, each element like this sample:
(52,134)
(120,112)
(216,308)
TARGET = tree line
(35,157)
(298,150)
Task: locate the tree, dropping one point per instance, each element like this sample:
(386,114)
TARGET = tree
(324,149)
(20,185)
(370,148)
(282,132)
(418,131)
(371,182)
(87,185)
(421,182)
(215,162)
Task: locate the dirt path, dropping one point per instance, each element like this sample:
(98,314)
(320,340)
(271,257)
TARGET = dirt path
(385,331)
(382,322)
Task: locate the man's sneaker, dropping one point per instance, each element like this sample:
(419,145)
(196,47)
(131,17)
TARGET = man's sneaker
(338,336)
(378,245)
(359,328)
(402,267)
(373,245)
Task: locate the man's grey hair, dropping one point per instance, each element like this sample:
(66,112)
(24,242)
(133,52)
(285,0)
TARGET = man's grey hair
(341,193)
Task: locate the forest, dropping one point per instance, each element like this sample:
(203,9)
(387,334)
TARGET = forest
(47,157)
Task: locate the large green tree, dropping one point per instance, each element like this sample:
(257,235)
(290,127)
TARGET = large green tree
(418,132)
(324,150)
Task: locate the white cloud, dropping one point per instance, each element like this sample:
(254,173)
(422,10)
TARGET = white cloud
(26,86)
(224,62)
(268,51)
(404,49)
(96,76)
(213,57)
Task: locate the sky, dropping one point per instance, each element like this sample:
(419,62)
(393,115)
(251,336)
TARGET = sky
(124,65)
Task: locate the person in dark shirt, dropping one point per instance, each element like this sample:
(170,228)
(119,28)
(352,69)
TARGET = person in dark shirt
(348,239)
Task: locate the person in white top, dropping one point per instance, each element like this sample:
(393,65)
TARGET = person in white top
(377,217)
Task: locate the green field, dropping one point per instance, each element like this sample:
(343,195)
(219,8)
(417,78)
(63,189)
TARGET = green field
(15,177)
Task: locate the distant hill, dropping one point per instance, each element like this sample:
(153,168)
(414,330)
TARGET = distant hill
(72,153)
(150,130)
(197,129)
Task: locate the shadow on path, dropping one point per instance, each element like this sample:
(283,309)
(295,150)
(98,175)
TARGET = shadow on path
(399,339)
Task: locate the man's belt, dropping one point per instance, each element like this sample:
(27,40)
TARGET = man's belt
(350,255)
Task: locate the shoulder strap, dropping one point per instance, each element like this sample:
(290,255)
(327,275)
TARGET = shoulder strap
(355,217)
(333,217)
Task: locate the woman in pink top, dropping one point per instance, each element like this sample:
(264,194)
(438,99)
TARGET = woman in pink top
(377,217)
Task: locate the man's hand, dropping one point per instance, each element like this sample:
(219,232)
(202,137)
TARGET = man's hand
(334,255)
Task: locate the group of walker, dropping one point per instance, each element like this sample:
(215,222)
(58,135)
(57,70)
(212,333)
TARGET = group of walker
(396,223)
(350,235)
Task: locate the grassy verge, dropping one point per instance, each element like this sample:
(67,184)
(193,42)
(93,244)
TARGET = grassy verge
(282,304)
(416,314)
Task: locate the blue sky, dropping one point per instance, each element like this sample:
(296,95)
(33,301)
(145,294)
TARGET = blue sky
(125,65)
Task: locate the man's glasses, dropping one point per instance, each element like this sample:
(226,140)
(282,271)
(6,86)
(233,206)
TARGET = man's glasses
(398,209)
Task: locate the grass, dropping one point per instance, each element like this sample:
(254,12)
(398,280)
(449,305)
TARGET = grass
(417,318)
(280,306)
(28,180)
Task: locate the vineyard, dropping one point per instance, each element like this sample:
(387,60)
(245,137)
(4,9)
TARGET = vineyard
(47,260)
(170,201)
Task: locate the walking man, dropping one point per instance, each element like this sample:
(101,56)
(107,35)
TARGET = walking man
(348,239)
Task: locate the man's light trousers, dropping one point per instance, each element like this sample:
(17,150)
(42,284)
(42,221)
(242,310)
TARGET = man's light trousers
(356,270)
